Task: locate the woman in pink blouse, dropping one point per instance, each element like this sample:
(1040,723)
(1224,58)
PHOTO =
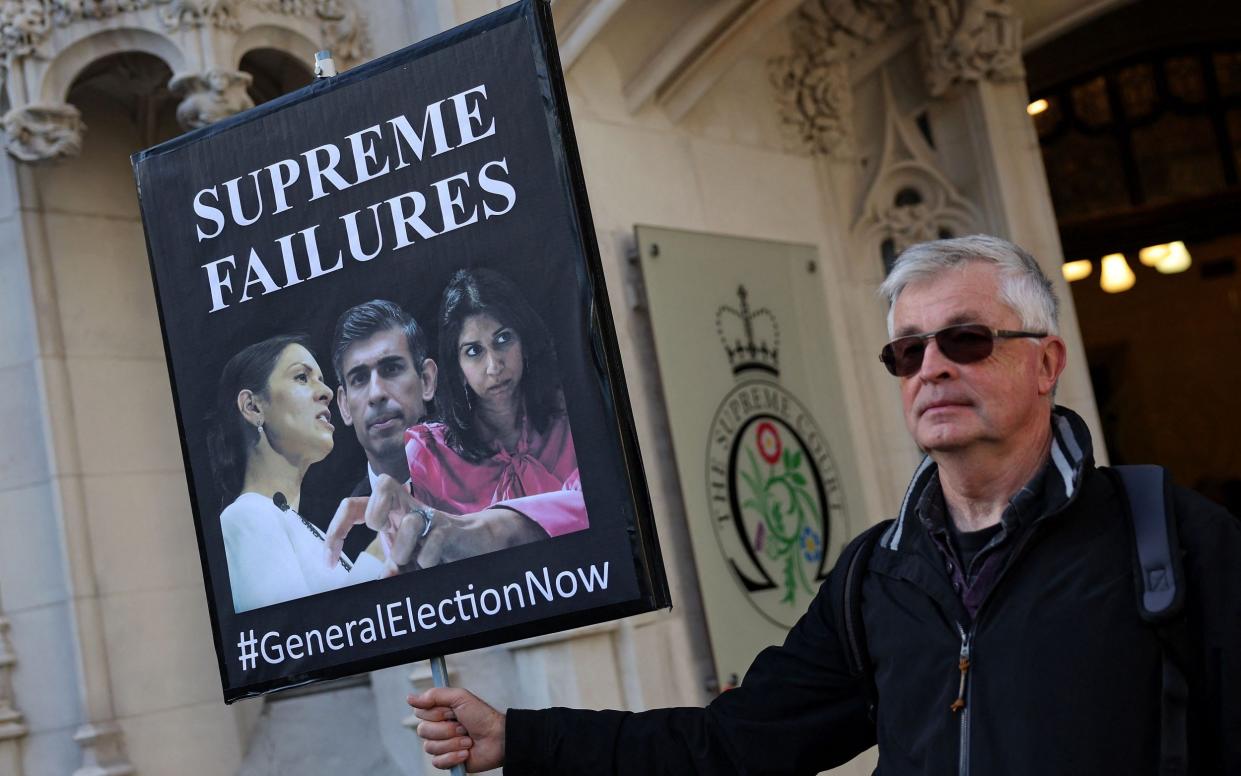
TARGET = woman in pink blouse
(504,440)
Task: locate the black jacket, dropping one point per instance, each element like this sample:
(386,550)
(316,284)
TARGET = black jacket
(1064,676)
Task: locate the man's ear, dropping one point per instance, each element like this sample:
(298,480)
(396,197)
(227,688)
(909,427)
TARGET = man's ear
(1054,358)
(343,406)
(249,408)
(430,373)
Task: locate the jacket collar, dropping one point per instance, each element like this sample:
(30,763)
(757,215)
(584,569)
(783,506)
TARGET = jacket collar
(1071,454)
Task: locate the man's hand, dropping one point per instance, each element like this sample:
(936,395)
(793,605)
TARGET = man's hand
(384,511)
(459,728)
(388,505)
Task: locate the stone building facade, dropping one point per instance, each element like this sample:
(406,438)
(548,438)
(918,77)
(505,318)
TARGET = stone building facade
(857,126)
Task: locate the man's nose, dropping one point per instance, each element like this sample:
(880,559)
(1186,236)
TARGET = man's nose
(935,365)
(376,390)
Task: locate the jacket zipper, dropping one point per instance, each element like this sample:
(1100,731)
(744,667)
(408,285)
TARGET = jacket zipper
(960,705)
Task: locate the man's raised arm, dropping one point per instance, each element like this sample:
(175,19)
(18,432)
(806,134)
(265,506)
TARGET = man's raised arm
(799,710)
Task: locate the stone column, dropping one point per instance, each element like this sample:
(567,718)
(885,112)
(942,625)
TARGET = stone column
(57,625)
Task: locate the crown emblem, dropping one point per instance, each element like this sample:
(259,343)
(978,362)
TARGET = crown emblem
(751,338)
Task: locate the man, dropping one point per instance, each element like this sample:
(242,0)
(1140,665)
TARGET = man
(999,607)
(386,383)
(386,380)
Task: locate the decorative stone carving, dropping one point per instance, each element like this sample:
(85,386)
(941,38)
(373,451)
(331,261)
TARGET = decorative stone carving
(188,34)
(195,13)
(37,133)
(968,41)
(11,725)
(344,30)
(908,220)
(23,26)
(812,85)
(909,200)
(211,96)
(816,101)
(842,25)
(962,41)
(65,11)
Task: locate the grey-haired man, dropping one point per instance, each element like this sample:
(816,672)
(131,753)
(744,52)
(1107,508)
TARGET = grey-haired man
(998,608)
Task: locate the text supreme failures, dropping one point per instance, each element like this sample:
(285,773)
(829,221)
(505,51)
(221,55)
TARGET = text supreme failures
(448,124)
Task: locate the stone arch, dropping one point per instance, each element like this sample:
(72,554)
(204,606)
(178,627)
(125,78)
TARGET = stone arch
(77,56)
(274,72)
(296,43)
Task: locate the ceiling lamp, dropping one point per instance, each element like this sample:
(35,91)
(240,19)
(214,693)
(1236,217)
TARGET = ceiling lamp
(1153,254)
(1036,107)
(1168,258)
(1077,270)
(1116,275)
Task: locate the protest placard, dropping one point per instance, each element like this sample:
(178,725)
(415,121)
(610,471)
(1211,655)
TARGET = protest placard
(385,289)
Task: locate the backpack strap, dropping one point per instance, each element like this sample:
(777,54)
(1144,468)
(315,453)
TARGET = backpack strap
(854,559)
(1160,581)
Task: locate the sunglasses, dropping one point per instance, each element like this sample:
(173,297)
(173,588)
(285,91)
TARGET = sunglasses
(962,344)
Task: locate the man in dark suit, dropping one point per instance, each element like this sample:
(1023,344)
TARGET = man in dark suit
(387,383)
(386,380)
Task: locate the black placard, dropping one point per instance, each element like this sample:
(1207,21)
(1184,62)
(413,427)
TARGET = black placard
(382,183)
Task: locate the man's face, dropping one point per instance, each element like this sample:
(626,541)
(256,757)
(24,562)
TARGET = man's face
(383,394)
(996,402)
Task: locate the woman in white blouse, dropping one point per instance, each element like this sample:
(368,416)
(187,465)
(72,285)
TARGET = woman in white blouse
(271,423)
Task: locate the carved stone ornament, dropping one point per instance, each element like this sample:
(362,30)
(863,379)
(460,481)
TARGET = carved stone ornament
(816,101)
(909,200)
(197,29)
(968,41)
(23,26)
(211,96)
(11,724)
(196,13)
(26,24)
(842,25)
(908,224)
(812,85)
(344,29)
(961,41)
(43,132)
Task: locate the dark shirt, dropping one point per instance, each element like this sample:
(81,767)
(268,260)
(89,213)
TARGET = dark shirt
(975,569)
(968,544)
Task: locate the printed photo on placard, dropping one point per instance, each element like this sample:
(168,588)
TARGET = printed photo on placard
(473,429)
(402,412)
